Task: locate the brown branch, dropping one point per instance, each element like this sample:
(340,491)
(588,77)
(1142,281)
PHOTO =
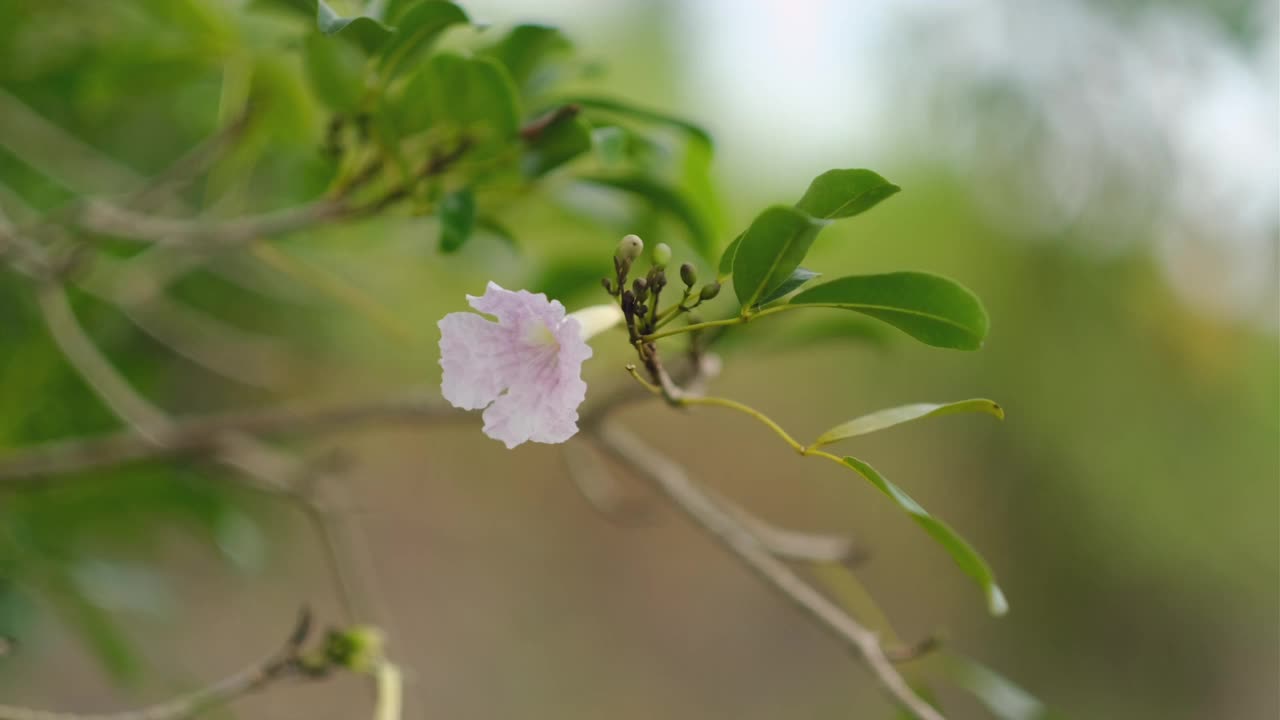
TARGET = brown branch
(672,480)
(285,663)
(105,218)
(202,435)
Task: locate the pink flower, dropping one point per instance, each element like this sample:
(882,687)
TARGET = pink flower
(524,370)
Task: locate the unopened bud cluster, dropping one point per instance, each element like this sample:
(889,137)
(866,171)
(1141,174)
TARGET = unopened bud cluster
(639,300)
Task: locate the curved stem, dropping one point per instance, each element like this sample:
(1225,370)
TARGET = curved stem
(737,320)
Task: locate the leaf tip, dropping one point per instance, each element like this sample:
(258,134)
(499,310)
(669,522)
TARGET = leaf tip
(997,603)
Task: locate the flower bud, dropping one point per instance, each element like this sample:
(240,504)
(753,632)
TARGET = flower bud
(661,255)
(688,275)
(710,290)
(640,289)
(629,248)
(608,286)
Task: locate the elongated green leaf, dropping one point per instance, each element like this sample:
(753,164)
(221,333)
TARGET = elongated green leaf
(889,417)
(525,49)
(799,277)
(1002,697)
(845,193)
(932,309)
(336,70)
(961,551)
(726,259)
(663,198)
(555,146)
(770,250)
(367,32)
(457,218)
(621,107)
(416,29)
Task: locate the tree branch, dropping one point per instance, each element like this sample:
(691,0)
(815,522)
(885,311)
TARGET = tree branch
(282,664)
(200,435)
(672,480)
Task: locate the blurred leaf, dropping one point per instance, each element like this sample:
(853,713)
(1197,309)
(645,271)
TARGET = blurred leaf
(726,259)
(1002,697)
(554,146)
(961,551)
(665,199)
(525,49)
(890,417)
(610,144)
(621,107)
(845,193)
(416,30)
(336,70)
(770,250)
(930,308)
(799,277)
(97,629)
(566,279)
(470,94)
(365,31)
(496,229)
(457,217)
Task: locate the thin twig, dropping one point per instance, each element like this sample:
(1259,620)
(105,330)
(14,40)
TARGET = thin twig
(279,665)
(105,218)
(791,544)
(201,435)
(672,480)
(105,380)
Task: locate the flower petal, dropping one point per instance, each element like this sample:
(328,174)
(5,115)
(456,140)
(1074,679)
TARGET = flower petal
(474,354)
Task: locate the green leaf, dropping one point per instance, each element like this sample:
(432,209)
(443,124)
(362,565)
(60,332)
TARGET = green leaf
(799,277)
(621,107)
(663,198)
(1002,697)
(610,144)
(889,417)
(961,551)
(365,31)
(845,193)
(457,218)
(770,250)
(554,146)
(726,259)
(932,309)
(416,30)
(496,229)
(336,70)
(472,95)
(525,49)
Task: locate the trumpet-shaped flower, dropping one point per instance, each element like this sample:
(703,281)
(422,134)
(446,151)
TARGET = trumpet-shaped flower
(525,370)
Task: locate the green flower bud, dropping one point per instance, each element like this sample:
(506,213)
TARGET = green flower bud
(629,248)
(710,290)
(661,255)
(688,275)
(357,648)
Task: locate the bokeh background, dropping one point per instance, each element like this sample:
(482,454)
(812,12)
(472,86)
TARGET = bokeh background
(1103,174)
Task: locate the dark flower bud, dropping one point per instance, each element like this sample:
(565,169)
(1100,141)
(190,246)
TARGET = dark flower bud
(628,302)
(688,275)
(657,280)
(640,288)
(709,291)
(608,286)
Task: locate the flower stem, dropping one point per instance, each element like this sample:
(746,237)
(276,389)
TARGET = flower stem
(736,320)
